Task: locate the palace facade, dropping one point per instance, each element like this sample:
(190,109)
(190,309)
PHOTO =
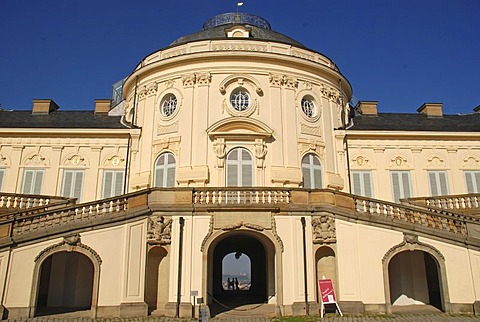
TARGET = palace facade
(237,139)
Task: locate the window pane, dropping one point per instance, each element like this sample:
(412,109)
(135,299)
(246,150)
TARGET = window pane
(312,172)
(2,174)
(433,183)
(367,181)
(232,175)
(396,186)
(107,184)
(37,186)
(164,171)
(78,184)
(27,181)
(67,183)
(170,177)
(119,180)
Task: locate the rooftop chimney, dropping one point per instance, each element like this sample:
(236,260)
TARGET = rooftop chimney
(368,107)
(44,106)
(431,109)
(102,106)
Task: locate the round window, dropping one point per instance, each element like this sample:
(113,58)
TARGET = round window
(169,105)
(240,99)
(308,107)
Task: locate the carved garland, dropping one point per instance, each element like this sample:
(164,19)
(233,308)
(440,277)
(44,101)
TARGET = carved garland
(72,241)
(274,231)
(207,236)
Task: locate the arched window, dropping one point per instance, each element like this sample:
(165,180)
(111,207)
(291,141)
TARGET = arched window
(312,171)
(165,171)
(239,168)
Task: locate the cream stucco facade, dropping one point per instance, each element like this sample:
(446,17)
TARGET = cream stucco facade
(237,140)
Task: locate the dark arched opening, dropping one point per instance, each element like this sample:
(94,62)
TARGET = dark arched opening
(414,279)
(236,272)
(222,299)
(65,284)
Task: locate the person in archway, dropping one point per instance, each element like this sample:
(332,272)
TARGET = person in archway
(236,283)
(229,284)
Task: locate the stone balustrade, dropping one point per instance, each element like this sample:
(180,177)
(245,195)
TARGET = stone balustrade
(448,222)
(239,196)
(467,204)
(14,201)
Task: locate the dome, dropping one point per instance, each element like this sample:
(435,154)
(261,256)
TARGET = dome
(217,27)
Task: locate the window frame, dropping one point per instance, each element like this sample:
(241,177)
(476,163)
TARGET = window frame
(34,184)
(2,177)
(167,181)
(401,184)
(74,190)
(114,184)
(311,168)
(362,183)
(240,164)
(475,178)
(436,175)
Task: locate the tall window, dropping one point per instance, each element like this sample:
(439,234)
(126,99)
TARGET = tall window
(312,171)
(165,171)
(2,174)
(72,185)
(362,183)
(472,179)
(112,183)
(33,181)
(239,166)
(438,183)
(401,185)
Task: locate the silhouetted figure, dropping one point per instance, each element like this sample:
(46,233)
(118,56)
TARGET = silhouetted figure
(236,283)
(229,284)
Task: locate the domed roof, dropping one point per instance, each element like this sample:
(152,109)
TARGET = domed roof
(216,28)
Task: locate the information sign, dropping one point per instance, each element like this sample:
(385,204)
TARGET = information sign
(328,295)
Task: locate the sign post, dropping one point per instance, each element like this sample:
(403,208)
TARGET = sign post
(328,295)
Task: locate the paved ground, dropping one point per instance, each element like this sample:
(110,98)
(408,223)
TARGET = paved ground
(441,317)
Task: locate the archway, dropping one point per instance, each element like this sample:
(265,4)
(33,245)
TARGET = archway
(157,278)
(65,284)
(236,272)
(414,280)
(261,253)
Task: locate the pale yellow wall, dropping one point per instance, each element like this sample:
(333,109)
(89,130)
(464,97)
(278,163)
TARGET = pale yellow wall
(289,229)
(35,149)
(360,249)
(474,257)
(419,153)
(459,271)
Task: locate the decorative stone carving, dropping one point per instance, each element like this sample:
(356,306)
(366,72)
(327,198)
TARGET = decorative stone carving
(435,162)
(471,162)
(324,230)
(159,230)
(361,161)
(306,146)
(114,160)
(152,89)
(274,232)
(308,85)
(169,83)
(207,236)
(276,80)
(311,130)
(36,159)
(243,224)
(398,162)
(290,82)
(142,92)
(410,242)
(188,80)
(203,78)
(70,242)
(165,129)
(330,93)
(260,152)
(75,160)
(238,46)
(219,147)
(3,160)
(167,54)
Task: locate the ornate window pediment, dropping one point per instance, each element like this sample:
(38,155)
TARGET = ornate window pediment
(239,128)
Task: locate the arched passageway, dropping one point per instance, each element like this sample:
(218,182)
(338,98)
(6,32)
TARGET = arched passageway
(157,277)
(65,283)
(326,267)
(247,246)
(414,279)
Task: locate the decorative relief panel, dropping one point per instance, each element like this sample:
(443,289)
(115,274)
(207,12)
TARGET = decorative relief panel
(114,161)
(471,162)
(219,147)
(168,144)
(283,80)
(203,78)
(173,53)
(188,80)
(196,78)
(260,152)
(37,159)
(330,93)
(306,146)
(75,160)
(435,162)
(152,89)
(3,160)
(399,162)
(324,229)
(165,129)
(361,162)
(159,230)
(312,130)
(239,46)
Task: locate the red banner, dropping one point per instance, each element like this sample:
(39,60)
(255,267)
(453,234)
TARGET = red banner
(327,291)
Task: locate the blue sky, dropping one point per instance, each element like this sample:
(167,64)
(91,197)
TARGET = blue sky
(400,53)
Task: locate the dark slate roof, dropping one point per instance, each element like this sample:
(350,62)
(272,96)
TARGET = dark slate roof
(256,33)
(59,119)
(417,122)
